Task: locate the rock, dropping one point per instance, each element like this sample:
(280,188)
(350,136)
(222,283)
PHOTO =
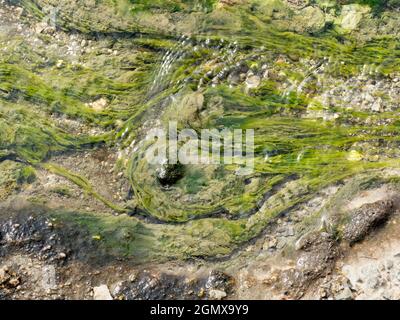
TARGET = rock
(219,281)
(187,108)
(47,248)
(354,156)
(345,294)
(169,174)
(319,250)
(133,276)
(99,105)
(14,282)
(154,285)
(229,2)
(217,294)
(195,99)
(270,244)
(9,279)
(234,78)
(298,3)
(253,82)
(377,106)
(373,283)
(61,256)
(389,264)
(18,12)
(352,277)
(289,232)
(352,15)
(310,19)
(364,219)
(60,64)
(101,293)
(282,242)
(49,30)
(3,275)
(40,27)
(266,74)
(201,293)
(190,106)
(322,293)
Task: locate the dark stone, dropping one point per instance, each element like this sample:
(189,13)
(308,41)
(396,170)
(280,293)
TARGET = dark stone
(219,280)
(318,251)
(169,174)
(162,286)
(366,218)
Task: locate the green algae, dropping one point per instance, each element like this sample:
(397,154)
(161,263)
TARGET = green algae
(316,152)
(13,176)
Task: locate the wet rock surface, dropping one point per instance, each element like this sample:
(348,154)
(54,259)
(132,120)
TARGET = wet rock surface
(169,174)
(101,293)
(318,252)
(32,231)
(9,279)
(368,270)
(366,219)
(161,286)
(40,261)
(39,237)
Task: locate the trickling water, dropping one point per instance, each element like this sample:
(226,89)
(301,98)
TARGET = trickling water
(223,50)
(226,53)
(172,56)
(298,87)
